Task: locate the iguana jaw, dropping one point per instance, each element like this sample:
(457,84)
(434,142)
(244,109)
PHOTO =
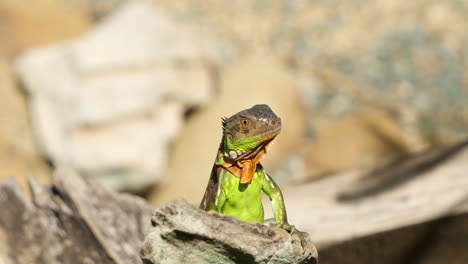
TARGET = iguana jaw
(244,167)
(249,163)
(251,146)
(243,163)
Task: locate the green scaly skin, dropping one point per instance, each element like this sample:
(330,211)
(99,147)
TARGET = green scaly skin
(225,193)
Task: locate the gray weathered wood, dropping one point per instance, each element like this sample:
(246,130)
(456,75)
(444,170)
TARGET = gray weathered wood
(412,190)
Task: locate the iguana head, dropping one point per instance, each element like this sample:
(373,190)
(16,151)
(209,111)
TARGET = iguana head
(246,136)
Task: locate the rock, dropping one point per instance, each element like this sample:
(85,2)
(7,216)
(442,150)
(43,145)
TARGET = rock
(19,154)
(72,221)
(110,102)
(182,233)
(257,79)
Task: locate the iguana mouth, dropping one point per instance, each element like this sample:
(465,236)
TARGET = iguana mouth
(252,153)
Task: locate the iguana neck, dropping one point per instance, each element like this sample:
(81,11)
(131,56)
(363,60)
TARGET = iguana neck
(244,167)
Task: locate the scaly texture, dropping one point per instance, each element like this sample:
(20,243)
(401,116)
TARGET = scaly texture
(237,178)
(182,233)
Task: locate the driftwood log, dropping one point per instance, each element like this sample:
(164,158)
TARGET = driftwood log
(439,241)
(411,190)
(411,210)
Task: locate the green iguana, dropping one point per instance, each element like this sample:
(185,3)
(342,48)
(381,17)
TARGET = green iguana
(238,178)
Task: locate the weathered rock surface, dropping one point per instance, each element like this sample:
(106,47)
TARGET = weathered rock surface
(256,79)
(71,222)
(182,233)
(117,94)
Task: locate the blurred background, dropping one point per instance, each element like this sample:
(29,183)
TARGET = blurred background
(131,94)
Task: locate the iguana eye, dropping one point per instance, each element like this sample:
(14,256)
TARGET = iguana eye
(245,122)
(273,122)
